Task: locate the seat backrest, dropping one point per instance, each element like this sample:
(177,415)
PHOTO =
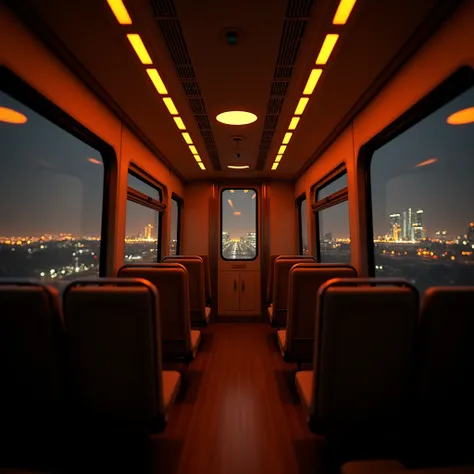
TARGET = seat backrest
(196,280)
(363,358)
(445,359)
(281,273)
(171,280)
(304,282)
(114,351)
(32,357)
(207,279)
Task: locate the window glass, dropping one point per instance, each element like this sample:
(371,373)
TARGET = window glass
(174,227)
(422,200)
(334,235)
(304,227)
(333,187)
(51,191)
(239,224)
(142,231)
(143,187)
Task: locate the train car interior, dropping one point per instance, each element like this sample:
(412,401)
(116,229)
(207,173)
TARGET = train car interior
(237,237)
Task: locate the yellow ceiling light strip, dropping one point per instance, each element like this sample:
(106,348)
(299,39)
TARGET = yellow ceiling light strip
(120,12)
(179,123)
(139,47)
(157,81)
(326,49)
(197,158)
(340,18)
(201,165)
(188,139)
(193,149)
(170,105)
(343,11)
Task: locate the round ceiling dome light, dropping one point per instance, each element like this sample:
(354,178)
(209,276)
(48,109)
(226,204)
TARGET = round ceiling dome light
(236,117)
(238,167)
(462,117)
(11,116)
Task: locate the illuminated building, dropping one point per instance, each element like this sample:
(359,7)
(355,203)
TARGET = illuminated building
(148,231)
(395,227)
(470,232)
(407,230)
(417,225)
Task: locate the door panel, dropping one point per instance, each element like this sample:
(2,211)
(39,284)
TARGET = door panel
(249,292)
(228,292)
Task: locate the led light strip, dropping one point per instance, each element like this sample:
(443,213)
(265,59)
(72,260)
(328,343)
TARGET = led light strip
(121,14)
(340,18)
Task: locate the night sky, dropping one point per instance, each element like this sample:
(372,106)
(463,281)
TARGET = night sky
(48,184)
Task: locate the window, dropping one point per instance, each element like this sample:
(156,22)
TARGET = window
(303,225)
(332,213)
(239,237)
(175,225)
(144,207)
(51,193)
(422,199)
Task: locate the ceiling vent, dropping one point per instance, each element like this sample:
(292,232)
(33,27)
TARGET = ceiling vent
(167,20)
(297,15)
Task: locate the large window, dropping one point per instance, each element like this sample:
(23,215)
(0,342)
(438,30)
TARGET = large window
(239,239)
(51,193)
(332,213)
(423,199)
(144,207)
(303,225)
(175,225)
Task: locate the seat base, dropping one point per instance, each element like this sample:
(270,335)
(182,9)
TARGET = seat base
(304,384)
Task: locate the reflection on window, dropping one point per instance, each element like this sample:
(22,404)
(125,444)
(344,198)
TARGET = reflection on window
(334,236)
(303,227)
(174,228)
(239,224)
(333,187)
(422,201)
(142,233)
(51,187)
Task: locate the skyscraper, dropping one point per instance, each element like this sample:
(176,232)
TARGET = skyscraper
(407,229)
(395,227)
(417,225)
(148,231)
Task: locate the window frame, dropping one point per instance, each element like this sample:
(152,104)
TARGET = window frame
(142,199)
(337,197)
(180,202)
(228,188)
(453,86)
(20,90)
(299,202)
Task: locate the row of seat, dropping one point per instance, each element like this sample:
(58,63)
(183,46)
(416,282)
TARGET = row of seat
(382,364)
(393,466)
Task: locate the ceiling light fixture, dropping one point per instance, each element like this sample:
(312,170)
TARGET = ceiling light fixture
(281,150)
(236,213)
(157,81)
(197,158)
(462,117)
(312,81)
(293,123)
(188,139)
(11,116)
(236,117)
(238,167)
(343,11)
(278,158)
(275,165)
(326,49)
(170,105)
(287,138)
(426,162)
(193,149)
(95,161)
(246,191)
(301,105)
(201,165)
(120,12)
(139,47)
(179,123)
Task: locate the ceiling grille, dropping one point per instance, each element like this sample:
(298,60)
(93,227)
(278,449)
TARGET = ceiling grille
(297,15)
(167,20)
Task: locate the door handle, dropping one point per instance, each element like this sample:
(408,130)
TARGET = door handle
(243,285)
(235,285)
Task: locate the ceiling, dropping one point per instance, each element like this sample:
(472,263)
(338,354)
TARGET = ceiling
(220,77)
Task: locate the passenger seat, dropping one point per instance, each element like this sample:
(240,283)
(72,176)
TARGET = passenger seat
(114,353)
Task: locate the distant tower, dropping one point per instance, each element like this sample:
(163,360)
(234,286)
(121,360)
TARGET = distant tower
(395,226)
(148,231)
(417,225)
(470,233)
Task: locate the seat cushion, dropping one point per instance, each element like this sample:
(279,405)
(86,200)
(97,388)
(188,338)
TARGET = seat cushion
(270,313)
(171,382)
(304,384)
(208,313)
(281,337)
(195,340)
(375,466)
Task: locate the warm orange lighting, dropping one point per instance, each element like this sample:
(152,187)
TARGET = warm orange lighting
(139,48)
(201,165)
(462,117)
(179,123)
(326,49)
(232,191)
(95,161)
(293,123)
(157,81)
(11,116)
(427,162)
(312,81)
(254,196)
(197,158)
(238,167)
(343,12)
(170,105)
(230,202)
(246,191)
(281,150)
(236,117)
(471,224)
(301,105)
(278,158)
(453,258)
(275,166)
(188,139)
(236,213)
(193,149)
(287,138)
(120,12)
